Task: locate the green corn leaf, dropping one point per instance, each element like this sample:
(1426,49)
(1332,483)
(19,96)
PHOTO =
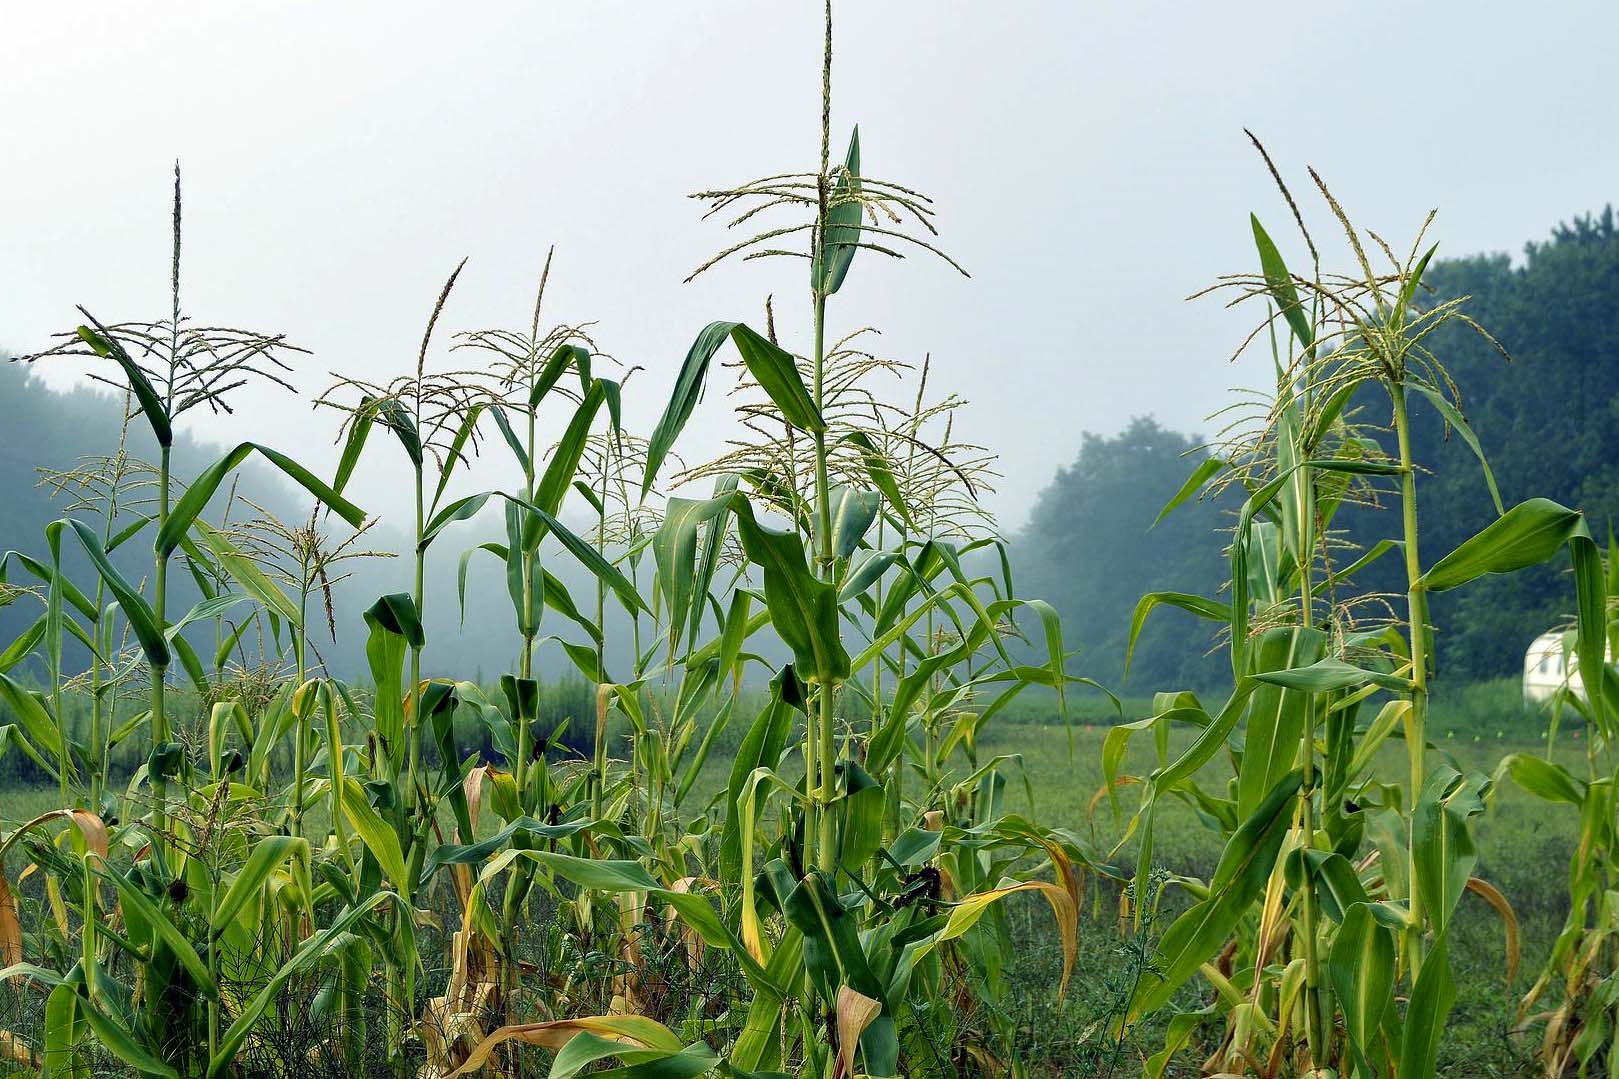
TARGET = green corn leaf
(772,367)
(24,645)
(309,952)
(777,374)
(190,662)
(515,443)
(1423,1025)
(617,876)
(476,853)
(555,367)
(866,573)
(206,611)
(246,572)
(859,809)
(1206,470)
(834,957)
(882,475)
(584,1050)
(1408,293)
(70,592)
(1209,741)
(674,552)
(1361,967)
(139,907)
(1245,865)
(1327,675)
(392,415)
(570,448)
(64,1023)
(761,748)
(353,445)
(1525,535)
(191,504)
(455,454)
(1213,610)
(106,345)
(462,509)
(708,561)
(559,600)
(1542,778)
(374,832)
(1276,713)
(803,608)
(688,391)
(1442,839)
(1280,285)
(840,236)
(142,622)
(1459,424)
(269,854)
(590,558)
(119,1041)
(852,513)
(32,713)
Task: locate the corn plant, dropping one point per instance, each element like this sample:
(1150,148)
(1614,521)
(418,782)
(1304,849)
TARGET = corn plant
(1574,999)
(835,952)
(1335,892)
(170,367)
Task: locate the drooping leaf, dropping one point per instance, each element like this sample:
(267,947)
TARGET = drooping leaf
(105,344)
(772,367)
(142,621)
(190,505)
(1525,535)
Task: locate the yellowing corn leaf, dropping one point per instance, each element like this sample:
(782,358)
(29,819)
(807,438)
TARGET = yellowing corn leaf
(16,1048)
(855,1013)
(10,927)
(94,831)
(1509,917)
(965,914)
(631,1031)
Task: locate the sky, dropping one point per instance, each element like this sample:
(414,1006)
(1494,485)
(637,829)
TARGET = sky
(1087,160)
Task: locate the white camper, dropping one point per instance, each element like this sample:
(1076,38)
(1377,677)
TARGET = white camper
(1550,665)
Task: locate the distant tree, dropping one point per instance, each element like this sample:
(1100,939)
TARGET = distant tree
(1090,548)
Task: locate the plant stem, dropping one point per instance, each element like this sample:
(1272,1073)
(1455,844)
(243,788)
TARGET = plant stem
(160,718)
(525,661)
(598,756)
(413,720)
(1315,1019)
(300,730)
(1417,616)
(825,720)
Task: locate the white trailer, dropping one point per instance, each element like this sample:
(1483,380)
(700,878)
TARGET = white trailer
(1549,665)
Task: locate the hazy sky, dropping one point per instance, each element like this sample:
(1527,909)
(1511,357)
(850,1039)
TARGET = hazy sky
(1087,160)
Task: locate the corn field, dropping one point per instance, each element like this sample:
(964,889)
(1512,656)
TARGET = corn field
(304,875)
